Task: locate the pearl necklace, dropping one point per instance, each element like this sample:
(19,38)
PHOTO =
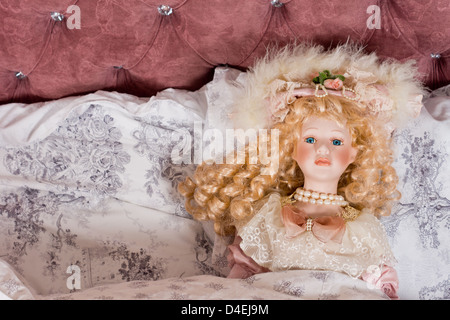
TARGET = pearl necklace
(315,197)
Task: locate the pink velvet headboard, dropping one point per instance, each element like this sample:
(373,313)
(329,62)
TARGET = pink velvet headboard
(55,48)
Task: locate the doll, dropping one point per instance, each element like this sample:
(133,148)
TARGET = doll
(318,208)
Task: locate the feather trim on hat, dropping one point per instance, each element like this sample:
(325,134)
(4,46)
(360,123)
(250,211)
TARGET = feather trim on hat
(385,87)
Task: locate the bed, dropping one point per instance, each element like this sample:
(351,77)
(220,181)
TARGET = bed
(95,96)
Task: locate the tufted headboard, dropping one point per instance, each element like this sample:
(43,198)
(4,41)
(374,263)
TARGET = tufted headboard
(55,48)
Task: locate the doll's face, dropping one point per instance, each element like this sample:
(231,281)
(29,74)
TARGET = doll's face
(324,150)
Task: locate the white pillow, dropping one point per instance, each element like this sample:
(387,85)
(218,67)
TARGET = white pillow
(419,225)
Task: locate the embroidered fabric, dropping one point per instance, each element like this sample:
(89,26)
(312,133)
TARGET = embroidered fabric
(364,244)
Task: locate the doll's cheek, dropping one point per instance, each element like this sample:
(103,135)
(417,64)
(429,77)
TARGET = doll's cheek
(346,156)
(301,154)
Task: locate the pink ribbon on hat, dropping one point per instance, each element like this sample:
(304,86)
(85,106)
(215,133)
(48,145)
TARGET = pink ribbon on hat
(278,104)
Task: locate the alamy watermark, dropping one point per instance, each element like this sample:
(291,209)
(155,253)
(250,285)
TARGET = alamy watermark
(73,282)
(73,20)
(374,20)
(211,145)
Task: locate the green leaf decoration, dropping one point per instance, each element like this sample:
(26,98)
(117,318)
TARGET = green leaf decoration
(324,75)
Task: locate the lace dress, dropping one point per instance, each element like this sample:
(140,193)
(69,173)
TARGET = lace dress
(279,238)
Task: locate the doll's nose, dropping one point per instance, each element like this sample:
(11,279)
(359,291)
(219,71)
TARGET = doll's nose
(322,149)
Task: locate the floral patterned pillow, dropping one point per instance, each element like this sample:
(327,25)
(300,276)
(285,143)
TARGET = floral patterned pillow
(419,225)
(94,200)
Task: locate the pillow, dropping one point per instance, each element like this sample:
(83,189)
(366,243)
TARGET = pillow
(92,187)
(59,242)
(418,227)
(102,145)
(221,94)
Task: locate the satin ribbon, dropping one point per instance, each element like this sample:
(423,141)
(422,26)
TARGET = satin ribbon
(325,228)
(385,279)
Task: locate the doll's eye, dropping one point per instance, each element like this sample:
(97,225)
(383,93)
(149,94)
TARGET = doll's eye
(337,142)
(310,140)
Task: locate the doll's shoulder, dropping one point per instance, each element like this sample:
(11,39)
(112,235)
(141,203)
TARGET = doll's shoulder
(269,205)
(363,220)
(272,200)
(369,229)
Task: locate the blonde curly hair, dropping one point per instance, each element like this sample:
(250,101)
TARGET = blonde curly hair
(226,193)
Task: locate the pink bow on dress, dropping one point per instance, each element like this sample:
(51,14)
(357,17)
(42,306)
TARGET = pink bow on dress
(327,228)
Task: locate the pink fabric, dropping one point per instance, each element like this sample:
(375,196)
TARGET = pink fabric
(242,266)
(181,50)
(279,102)
(324,228)
(385,279)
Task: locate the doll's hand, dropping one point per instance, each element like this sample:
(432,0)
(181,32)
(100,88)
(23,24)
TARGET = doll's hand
(242,266)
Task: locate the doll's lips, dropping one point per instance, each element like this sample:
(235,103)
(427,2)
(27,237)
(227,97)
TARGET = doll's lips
(322,162)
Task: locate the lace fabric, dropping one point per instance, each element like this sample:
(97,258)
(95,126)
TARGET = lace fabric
(364,244)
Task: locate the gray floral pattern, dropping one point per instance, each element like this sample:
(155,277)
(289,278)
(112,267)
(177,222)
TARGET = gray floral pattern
(427,203)
(155,140)
(28,212)
(435,292)
(419,227)
(138,265)
(85,150)
(290,288)
(290,285)
(101,196)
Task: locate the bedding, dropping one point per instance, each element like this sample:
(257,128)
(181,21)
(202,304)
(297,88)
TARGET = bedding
(89,207)
(286,285)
